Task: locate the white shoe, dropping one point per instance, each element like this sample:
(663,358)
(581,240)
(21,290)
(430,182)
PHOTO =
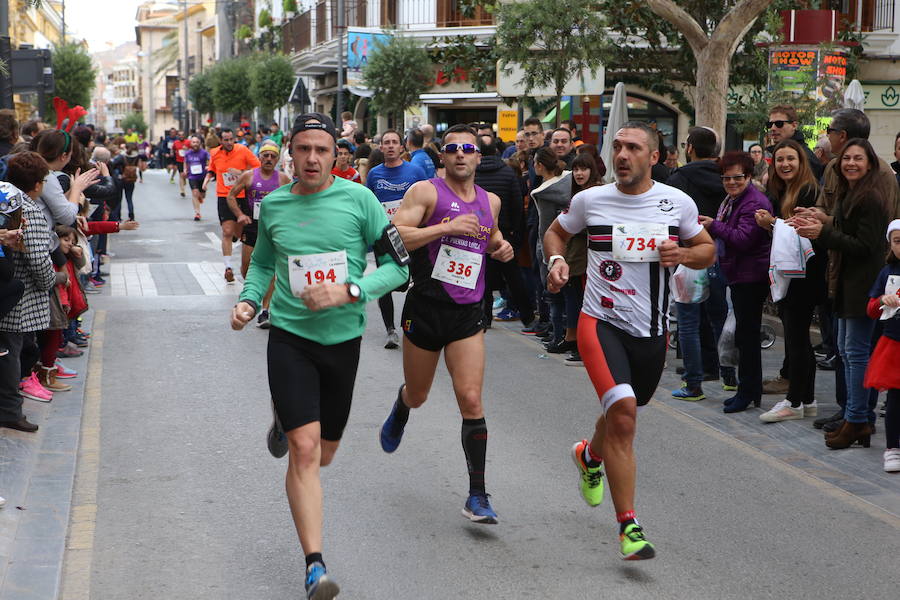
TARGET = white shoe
(3,500)
(810,410)
(783,411)
(393,340)
(892,460)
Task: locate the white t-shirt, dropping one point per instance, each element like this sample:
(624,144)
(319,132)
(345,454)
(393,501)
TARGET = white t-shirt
(629,289)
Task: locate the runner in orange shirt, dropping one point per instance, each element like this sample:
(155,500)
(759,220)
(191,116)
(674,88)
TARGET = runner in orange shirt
(228,164)
(180,148)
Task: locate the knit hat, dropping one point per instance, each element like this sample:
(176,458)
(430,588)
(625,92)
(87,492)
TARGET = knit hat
(893,226)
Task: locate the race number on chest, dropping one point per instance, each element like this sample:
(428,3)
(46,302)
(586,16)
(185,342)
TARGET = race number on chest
(638,242)
(307,269)
(457,267)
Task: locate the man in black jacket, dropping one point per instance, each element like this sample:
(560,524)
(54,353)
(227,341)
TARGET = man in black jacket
(493,175)
(700,325)
(783,125)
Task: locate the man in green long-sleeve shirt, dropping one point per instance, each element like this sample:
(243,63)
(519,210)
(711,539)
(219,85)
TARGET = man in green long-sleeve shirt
(313,237)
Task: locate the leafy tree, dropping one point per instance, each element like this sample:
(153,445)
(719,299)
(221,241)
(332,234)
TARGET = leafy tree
(551,40)
(230,85)
(397,72)
(74,74)
(200,91)
(464,58)
(271,82)
(136,122)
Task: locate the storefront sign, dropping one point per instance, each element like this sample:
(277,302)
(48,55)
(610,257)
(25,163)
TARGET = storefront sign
(882,96)
(507,120)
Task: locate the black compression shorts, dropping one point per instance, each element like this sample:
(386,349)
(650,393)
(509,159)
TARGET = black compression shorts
(310,382)
(620,365)
(195,184)
(431,325)
(249,233)
(225,213)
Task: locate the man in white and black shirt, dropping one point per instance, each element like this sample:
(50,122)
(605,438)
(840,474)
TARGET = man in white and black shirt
(634,229)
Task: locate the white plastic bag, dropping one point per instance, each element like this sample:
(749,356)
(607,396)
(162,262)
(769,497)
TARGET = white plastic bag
(728,352)
(690,286)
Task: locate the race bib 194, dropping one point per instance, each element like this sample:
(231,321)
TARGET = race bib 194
(638,242)
(307,269)
(457,267)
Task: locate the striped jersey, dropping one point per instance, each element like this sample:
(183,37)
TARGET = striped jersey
(628,288)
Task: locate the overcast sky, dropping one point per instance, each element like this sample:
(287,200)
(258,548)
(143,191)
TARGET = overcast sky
(104,25)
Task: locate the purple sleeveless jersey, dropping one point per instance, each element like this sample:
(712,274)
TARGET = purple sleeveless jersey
(448,207)
(260,188)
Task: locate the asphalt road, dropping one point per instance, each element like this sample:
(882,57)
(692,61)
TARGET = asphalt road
(189,504)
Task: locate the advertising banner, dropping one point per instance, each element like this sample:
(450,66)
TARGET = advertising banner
(360,45)
(819,74)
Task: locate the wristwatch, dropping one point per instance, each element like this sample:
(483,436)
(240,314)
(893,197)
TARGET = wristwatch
(354,292)
(553,259)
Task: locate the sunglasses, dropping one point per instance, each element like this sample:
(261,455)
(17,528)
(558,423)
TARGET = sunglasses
(778,124)
(735,178)
(832,130)
(454,148)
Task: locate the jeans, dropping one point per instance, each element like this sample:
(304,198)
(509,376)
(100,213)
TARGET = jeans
(115,213)
(690,317)
(748,300)
(518,298)
(854,344)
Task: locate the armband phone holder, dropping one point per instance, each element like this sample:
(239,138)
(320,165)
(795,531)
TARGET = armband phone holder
(391,243)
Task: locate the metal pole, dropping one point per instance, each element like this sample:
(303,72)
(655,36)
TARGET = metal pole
(340,53)
(4,18)
(184,95)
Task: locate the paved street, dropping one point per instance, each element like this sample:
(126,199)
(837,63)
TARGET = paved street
(176,496)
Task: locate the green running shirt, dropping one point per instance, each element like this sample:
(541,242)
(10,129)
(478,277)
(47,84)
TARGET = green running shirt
(345,216)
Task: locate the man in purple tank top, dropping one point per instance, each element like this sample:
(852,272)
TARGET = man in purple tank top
(449,225)
(257,183)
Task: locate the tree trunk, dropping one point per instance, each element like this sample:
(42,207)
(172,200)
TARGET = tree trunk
(710,101)
(558,106)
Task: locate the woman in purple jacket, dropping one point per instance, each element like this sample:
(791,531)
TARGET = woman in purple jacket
(743,251)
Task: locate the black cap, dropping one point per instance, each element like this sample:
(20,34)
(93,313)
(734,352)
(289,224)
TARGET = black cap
(314,121)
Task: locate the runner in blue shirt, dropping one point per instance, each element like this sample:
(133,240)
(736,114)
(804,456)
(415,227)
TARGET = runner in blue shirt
(415,142)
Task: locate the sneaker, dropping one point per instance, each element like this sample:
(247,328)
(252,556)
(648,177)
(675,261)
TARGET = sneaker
(97,281)
(196,216)
(262,321)
(391,432)
(318,584)
(591,477)
(690,394)
(90,288)
(729,383)
(4,351)
(499,303)
(2,501)
(229,274)
(783,411)
(63,372)
(535,328)
(478,509)
(276,441)
(80,342)
(392,341)
(892,460)
(574,359)
(32,388)
(507,315)
(634,545)
(70,350)
(811,409)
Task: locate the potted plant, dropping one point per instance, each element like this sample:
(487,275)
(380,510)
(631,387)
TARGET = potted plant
(289,7)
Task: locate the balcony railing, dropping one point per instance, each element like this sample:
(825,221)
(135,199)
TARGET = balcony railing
(320,22)
(870,15)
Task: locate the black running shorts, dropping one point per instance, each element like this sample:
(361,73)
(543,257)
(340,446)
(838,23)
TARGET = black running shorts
(620,365)
(310,382)
(195,184)
(431,325)
(249,233)
(225,213)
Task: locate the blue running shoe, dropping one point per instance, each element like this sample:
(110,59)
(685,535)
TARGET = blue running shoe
(507,315)
(318,585)
(478,509)
(499,303)
(392,431)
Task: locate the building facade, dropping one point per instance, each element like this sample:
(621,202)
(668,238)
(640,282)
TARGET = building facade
(118,89)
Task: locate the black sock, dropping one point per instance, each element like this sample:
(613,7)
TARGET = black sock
(474,442)
(401,410)
(315,557)
(626,523)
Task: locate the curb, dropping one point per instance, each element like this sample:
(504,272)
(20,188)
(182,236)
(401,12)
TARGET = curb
(38,477)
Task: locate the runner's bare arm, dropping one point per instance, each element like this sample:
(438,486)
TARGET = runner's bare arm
(242,183)
(555,240)
(698,252)
(418,202)
(498,248)
(283,179)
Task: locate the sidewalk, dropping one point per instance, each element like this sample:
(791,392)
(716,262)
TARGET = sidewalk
(37,472)
(857,470)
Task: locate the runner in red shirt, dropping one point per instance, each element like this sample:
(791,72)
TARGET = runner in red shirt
(180,148)
(342,166)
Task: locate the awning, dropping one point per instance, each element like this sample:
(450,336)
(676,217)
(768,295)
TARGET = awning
(564,109)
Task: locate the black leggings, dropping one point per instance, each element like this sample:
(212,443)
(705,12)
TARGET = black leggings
(747,300)
(386,304)
(892,419)
(796,316)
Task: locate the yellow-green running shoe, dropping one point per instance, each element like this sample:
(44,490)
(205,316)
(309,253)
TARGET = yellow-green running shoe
(633,544)
(591,478)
